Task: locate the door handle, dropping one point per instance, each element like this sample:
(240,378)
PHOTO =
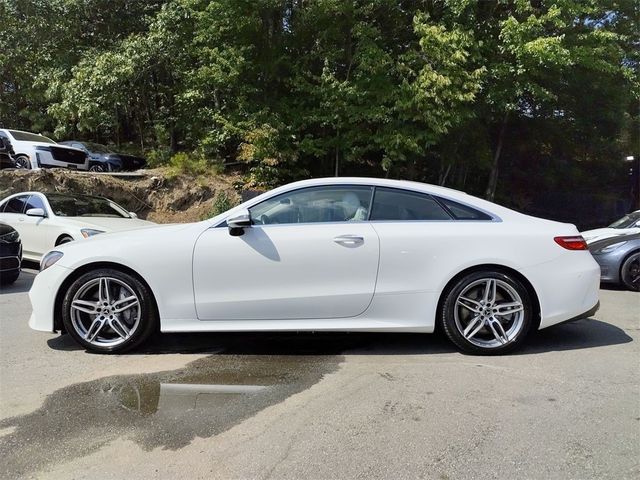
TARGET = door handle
(349,240)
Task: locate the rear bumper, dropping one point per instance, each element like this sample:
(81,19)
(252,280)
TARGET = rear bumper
(570,292)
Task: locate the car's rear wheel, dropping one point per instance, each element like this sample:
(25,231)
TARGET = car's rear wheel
(487,313)
(109,311)
(96,167)
(630,272)
(23,162)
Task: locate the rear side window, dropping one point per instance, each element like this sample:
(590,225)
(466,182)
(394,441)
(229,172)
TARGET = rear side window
(464,212)
(16,205)
(393,204)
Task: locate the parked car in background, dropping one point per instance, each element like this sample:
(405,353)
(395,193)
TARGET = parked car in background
(6,152)
(619,260)
(630,223)
(10,254)
(37,151)
(45,220)
(103,159)
(335,254)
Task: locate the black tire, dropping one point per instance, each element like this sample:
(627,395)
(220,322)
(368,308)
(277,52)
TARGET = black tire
(515,326)
(23,162)
(630,272)
(76,323)
(8,278)
(64,239)
(96,167)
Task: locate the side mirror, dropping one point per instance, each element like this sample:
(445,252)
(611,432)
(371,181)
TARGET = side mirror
(238,222)
(36,212)
(133,214)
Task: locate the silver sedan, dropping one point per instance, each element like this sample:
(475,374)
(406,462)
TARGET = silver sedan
(619,260)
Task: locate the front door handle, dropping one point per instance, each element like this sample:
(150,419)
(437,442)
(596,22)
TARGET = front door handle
(349,240)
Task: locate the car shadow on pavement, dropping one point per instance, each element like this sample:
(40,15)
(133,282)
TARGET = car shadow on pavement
(21,285)
(577,335)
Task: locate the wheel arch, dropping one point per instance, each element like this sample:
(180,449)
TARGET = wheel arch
(61,236)
(57,308)
(494,267)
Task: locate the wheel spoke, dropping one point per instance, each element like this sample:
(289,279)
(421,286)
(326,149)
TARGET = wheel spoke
(119,327)
(469,304)
(94,329)
(125,304)
(103,290)
(498,331)
(508,308)
(490,291)
(474,326)
(85,306)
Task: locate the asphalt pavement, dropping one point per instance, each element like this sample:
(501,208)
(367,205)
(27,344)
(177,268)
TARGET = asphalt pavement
(322,406)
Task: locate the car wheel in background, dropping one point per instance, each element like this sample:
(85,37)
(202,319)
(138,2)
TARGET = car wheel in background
(64,239)
(9,277)
(96,167)
(109,311)
(487,313)
(23,162)
(630,272)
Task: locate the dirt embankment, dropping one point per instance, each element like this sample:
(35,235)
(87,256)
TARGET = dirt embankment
(154,195)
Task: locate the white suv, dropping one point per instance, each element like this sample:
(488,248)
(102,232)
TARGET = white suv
(36,151)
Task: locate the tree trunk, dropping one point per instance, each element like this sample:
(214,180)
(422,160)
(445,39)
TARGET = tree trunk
(493,177)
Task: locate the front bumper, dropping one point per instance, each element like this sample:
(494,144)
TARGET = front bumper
(43,297)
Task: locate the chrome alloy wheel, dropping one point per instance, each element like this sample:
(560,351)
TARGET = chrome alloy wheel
(489,313)
(105,311)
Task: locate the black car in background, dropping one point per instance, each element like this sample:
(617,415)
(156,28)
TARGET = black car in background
(6,153)
(10,254)
(103,159)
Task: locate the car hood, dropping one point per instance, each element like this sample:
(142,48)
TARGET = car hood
(598,245)
(602,233)
(108,224)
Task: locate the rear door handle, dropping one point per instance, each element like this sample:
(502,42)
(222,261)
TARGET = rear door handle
(349,240)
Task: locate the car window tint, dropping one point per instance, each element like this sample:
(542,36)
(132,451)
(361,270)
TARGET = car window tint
(34,202)
(315,205)
(394,204)
(16,204)
(464,212)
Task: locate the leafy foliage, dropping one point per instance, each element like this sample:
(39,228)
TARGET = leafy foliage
(448,91)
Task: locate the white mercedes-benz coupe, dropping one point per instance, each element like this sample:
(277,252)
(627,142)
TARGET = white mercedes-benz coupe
(337,254)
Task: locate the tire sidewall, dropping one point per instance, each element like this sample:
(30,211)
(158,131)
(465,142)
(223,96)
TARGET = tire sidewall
(625,265)
(448,319)
(148,317)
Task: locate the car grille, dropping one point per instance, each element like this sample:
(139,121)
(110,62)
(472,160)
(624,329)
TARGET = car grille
(67,155)
(9,263)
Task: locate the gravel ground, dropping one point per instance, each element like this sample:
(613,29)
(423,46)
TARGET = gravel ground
(324,405)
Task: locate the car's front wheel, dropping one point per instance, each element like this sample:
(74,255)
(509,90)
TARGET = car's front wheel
(23,162)
(487,313)
(109,311)
(630,272)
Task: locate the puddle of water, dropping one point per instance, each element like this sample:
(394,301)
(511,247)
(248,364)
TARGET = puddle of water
(166,410)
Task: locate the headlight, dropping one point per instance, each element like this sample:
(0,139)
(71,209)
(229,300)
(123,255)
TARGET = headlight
(611,248)
(49,259)
(90,232)
(10,237)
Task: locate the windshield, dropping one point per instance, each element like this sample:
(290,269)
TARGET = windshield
(29,137)
(627,221)
(84,206)
(97,148)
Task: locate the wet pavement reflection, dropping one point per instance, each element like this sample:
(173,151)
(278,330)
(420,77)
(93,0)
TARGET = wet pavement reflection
(166,410)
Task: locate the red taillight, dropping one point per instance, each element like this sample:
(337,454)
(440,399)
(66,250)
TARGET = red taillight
(575,242)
